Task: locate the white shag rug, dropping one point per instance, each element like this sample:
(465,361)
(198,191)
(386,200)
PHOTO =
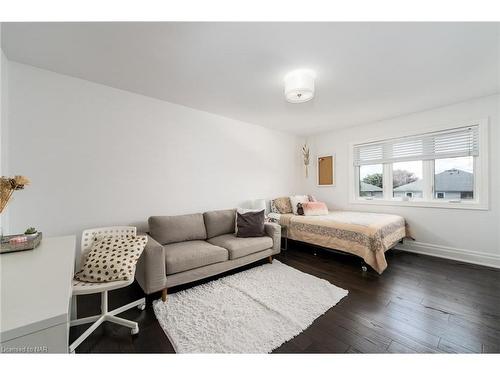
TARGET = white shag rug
(254,311)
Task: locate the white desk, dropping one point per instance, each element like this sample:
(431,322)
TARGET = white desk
(36,297)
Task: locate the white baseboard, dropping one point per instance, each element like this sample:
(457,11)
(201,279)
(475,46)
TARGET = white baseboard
(463,255)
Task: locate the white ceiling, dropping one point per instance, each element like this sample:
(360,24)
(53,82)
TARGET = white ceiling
(365,71)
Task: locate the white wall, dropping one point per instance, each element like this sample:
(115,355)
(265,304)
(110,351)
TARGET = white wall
(467,235)
(3,129)
(2,109)
(100,156)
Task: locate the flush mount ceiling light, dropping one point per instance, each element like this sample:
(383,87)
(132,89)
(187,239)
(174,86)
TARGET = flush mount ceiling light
(299,86)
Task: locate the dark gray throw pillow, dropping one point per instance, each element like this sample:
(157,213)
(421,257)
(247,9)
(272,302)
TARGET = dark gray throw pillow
(250,224)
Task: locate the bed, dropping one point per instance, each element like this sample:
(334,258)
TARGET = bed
(367,235)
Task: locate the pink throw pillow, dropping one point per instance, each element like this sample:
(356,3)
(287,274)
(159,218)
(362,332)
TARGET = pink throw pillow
(314,208)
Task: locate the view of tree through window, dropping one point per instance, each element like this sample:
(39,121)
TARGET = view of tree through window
(371,181)
(407,179)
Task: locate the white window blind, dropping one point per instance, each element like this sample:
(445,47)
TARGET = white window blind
(436,145)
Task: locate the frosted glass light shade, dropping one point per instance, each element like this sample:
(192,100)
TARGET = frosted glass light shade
(299,86)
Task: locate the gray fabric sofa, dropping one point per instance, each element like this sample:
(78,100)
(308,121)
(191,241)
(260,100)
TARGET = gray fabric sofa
(186,248)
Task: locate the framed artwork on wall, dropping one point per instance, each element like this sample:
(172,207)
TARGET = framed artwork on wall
(326,170)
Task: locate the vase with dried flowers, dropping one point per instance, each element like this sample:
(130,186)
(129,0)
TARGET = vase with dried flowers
(7,187)
(305,154)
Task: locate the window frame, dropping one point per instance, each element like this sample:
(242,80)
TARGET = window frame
(481,175)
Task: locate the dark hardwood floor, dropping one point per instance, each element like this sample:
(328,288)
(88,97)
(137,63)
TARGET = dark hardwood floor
(420,304)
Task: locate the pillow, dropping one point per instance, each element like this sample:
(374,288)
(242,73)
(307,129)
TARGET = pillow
(243,211)
(314,208)
(298,199)
(112,258)
(250,224)
(312,198)
(274,217)
(274,209)
(281,205)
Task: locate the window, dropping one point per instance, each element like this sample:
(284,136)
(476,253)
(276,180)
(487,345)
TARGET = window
(370,181)
(429,169)
(454,177)
(407,179)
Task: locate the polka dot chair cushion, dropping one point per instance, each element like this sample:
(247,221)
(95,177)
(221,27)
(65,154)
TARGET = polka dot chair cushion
(112,258)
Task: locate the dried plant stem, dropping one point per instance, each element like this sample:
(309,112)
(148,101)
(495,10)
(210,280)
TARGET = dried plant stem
(5,195)
(305,154)
(8,186)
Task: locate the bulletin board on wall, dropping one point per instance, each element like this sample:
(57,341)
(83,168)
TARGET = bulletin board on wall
(326,170)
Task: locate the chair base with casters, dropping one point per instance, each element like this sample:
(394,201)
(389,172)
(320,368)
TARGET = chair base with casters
(105,315)
(82,288)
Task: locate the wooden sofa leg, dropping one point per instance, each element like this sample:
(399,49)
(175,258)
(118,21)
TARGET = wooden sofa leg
(270,258)
(164,295)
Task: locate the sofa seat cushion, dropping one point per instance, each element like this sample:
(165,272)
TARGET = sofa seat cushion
(183,256)
(239,247)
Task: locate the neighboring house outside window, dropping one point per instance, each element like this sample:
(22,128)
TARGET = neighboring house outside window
(369,190)
(450,184)
(413,188)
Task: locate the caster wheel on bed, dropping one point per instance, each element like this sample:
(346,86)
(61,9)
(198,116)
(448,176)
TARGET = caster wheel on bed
(364,268)
(142,306)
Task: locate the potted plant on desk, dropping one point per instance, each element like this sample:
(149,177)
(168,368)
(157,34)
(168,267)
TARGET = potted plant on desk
(31,232)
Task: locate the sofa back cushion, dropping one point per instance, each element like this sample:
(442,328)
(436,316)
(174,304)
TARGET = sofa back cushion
(170,229)
(219,222)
